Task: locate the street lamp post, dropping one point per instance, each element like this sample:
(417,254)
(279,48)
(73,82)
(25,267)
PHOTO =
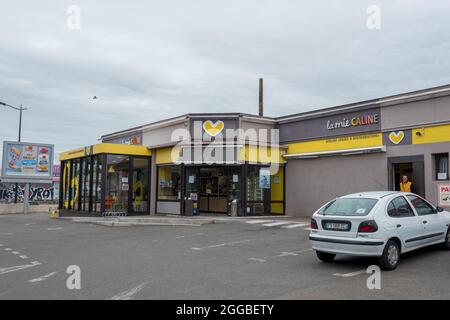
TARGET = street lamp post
(20,109)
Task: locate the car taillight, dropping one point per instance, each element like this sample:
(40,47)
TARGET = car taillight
(368,226)
(313,224)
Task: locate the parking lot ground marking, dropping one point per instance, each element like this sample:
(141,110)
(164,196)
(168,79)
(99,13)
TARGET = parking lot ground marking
(20,267)
(43,277)
(350,274)
(295,225)
(15,252)
(257,259)
(52,229)
(23,257)
(277,223)
(221,245)
(257,221)
(8,249)
(129,294)
(307,229)
(180,237)
(30,223)
(283,254)
(6,233)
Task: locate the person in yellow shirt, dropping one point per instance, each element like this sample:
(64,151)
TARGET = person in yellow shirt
(405,184)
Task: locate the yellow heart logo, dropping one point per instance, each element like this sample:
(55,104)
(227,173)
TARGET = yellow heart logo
(396,137)
(213,129)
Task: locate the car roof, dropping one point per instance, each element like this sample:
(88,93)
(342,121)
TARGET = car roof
(374,194)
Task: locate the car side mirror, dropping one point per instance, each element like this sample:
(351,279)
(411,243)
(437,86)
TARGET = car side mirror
(439,209)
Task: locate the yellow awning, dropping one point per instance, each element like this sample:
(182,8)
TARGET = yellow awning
(111,148)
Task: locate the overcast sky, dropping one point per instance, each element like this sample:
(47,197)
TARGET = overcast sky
(149,60)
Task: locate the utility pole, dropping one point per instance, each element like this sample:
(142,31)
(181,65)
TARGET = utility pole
(261,102)
(20,109)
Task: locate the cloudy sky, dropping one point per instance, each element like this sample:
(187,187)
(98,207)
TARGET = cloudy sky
(149,60)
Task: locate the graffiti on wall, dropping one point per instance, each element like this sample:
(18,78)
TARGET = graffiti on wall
(37,192)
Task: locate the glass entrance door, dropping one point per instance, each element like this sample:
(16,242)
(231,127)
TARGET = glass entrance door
(213,190)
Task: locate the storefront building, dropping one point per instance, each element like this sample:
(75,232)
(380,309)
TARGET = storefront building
(292,165)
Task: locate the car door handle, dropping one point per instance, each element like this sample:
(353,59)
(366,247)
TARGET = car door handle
(399,226)
(424,221)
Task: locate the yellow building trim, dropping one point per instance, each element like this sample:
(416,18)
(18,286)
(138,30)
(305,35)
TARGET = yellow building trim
(432,134)
(277,208)
(72,154)
(110,148)
(164,155)
(260,154)
(337,143)
(277,186)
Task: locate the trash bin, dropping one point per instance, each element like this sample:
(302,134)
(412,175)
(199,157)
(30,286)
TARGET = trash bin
(188,207)
(234,208)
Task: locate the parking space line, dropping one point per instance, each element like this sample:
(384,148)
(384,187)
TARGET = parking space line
(350,274)
(282,254)
(30,223)
(257,221)
(221,245)
(43,277)
(20,267)
(6,233)
(15,252)
(23,257)
(257,259)
(52,229)
(8,249)
(277,223)
(296,225)
(128,295)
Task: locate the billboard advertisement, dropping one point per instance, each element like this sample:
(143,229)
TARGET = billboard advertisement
(27,162)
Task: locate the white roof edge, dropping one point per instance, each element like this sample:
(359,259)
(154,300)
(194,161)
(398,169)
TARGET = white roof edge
(380,102)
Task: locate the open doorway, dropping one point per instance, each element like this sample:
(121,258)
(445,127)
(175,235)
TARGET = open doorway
(412,167)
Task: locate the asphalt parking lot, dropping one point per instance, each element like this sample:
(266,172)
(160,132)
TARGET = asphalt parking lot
(239,260)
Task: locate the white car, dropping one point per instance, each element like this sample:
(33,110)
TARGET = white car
(380,224)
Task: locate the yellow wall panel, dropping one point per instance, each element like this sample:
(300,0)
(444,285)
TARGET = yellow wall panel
(338,143)
(164,155)
(431,134)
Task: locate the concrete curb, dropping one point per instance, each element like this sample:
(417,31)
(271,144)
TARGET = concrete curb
(165,221)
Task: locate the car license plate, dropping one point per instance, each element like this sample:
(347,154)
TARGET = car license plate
(336,226)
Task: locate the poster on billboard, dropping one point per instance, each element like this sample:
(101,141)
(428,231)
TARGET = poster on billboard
(27,162)
(444,194)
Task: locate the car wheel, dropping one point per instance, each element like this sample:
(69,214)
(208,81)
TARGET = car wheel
(325,257)
(446,244)
(391,256)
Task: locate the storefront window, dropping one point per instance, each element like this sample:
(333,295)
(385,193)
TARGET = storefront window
(97,185)
(75,185)
(86,183)
(169,183)
(441,166)
(140,184)
(257,182)
(65,183)
(117,184)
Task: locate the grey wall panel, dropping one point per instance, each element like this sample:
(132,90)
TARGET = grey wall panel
(161,136)
(415,113)
(312,182)
(168,207)
(320,127)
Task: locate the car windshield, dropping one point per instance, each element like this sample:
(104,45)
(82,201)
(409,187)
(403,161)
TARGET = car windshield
(349,207)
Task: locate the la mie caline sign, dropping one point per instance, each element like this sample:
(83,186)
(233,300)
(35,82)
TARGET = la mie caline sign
(353,122)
